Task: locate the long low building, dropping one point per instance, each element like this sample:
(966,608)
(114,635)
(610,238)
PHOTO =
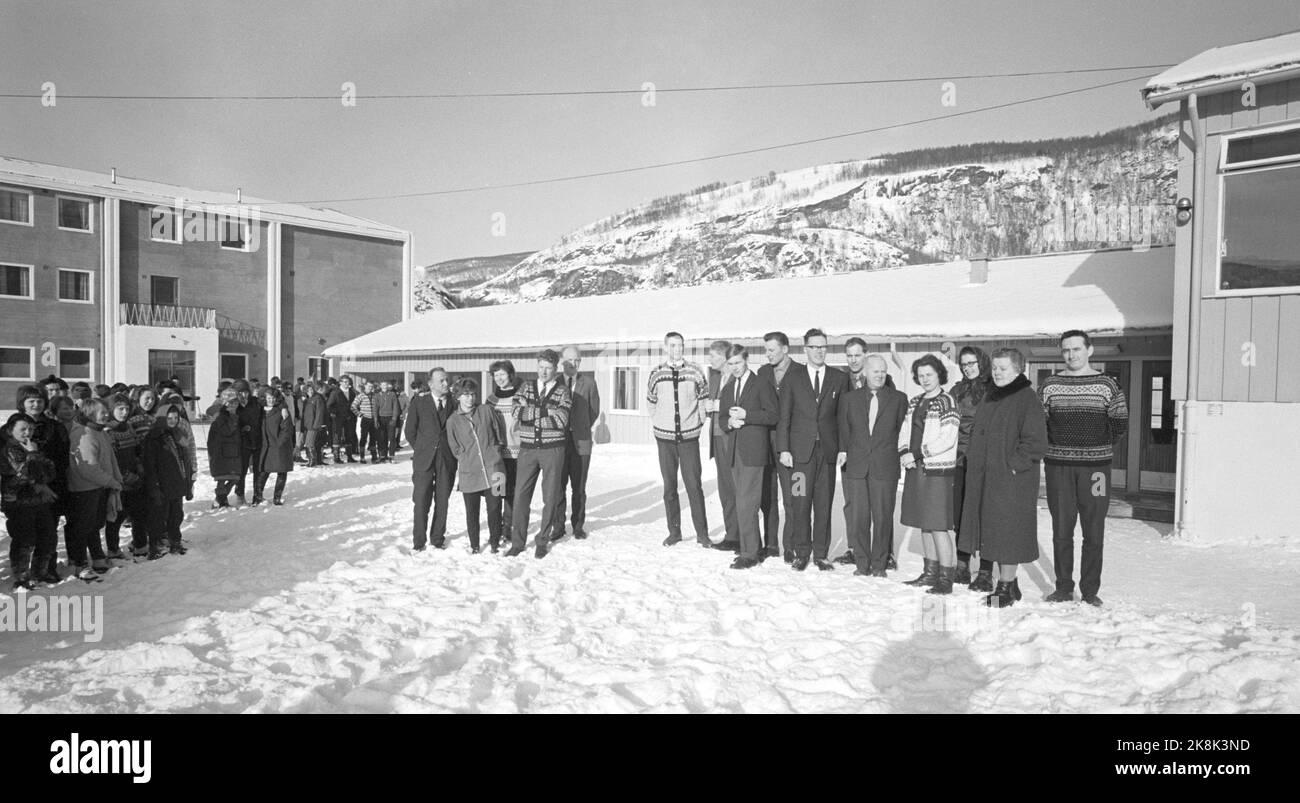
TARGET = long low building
(1123,296)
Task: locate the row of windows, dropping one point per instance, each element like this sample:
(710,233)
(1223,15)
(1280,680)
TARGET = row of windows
(76,286)
(73,214)
(19,363)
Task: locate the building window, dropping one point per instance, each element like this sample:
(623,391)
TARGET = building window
(16,207)
(17,362)
(234,234)
(1259,246)
(74,214)
(75,285)
(318,368)
(164,225)
(164,291)
(16,281)
(75,363)
(627,389)
(234,366)
(164,364)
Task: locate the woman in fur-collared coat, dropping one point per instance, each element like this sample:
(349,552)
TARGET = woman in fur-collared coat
(1003,463)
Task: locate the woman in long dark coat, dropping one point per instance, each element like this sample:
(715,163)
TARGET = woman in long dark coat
(1003,463)
(277,446)
(223,446)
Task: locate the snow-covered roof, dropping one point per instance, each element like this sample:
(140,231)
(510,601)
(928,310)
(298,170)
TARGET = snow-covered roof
(1106,292)
(1274,58)
(89,182)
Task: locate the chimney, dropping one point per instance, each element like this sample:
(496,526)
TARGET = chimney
(114,175)
(979,270)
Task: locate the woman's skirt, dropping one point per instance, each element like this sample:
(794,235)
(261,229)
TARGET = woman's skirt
(927,500)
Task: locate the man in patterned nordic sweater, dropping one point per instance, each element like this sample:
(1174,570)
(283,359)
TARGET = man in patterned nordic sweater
(1086,414)
(676,389)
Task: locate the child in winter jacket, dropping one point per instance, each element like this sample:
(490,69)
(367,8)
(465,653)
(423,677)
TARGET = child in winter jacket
(167,480)
(387,412)
(475,440)
(94,486)
(28,504)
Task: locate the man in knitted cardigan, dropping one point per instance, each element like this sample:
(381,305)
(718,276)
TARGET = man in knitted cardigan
(542,409)
(676,389)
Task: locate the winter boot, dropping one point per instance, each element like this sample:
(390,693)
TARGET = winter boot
(1015,589)
(175,547)
(100,565)
(929,574)
(963,573)
(983,581)
(1003,597)
(278,500)
(943,585)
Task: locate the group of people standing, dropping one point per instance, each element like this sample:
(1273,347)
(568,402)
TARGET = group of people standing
(97,457)
(969,458)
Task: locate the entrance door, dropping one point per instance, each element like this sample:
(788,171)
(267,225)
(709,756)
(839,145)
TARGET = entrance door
(1158,429)
(165,363)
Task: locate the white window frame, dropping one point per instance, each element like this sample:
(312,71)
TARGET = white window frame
(1225,171)
(31,365)
(59,353)
(245,228)
(177,226)
(90,292)
(640,390)
(90,213)
(31,207)
(31,282)
(224,354)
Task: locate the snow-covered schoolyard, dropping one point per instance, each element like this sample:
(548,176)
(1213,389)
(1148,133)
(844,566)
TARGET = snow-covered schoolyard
(320,605)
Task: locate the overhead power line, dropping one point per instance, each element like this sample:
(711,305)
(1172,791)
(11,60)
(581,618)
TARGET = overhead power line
(585,92)
(712,157)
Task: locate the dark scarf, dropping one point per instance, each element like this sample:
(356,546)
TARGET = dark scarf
(504,393)
(1019,383)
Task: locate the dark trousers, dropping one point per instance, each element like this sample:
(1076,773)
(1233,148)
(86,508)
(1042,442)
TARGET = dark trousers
(575,477)
(726,490)
(367,437)
(166,525)
(340,426)
(508,501)
(432,488)
(87,511)
(776,485)
(395,438)
(259,484)
(748,482)
(493,505)
(871,530)
(549,464)
(350,434)
(381,435)
(33,539)
(1074,494)
(247,457)
(683,456)
(135,506)
(812,487)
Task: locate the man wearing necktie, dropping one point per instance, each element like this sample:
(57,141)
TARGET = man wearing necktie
(750,406)
(577,449)
(807,443)
(433,468)
(869,422)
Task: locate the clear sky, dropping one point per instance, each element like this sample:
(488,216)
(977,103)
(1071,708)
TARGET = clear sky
(320,150)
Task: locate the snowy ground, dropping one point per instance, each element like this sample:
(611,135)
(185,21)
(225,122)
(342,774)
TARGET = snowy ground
(321,606)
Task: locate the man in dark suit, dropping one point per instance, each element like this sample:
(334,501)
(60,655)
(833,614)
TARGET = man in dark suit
(577,449)
(869,424)
(776,481)
(807,443)
(750,405)
(718,377)
(433,469)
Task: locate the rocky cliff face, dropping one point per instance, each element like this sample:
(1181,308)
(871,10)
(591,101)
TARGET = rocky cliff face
(996,199)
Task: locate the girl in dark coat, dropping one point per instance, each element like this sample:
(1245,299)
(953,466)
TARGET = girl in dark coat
(167,480)
(315,424)
(135,503)
(28,503)
(223,447)
(277,446)
(1003,462)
